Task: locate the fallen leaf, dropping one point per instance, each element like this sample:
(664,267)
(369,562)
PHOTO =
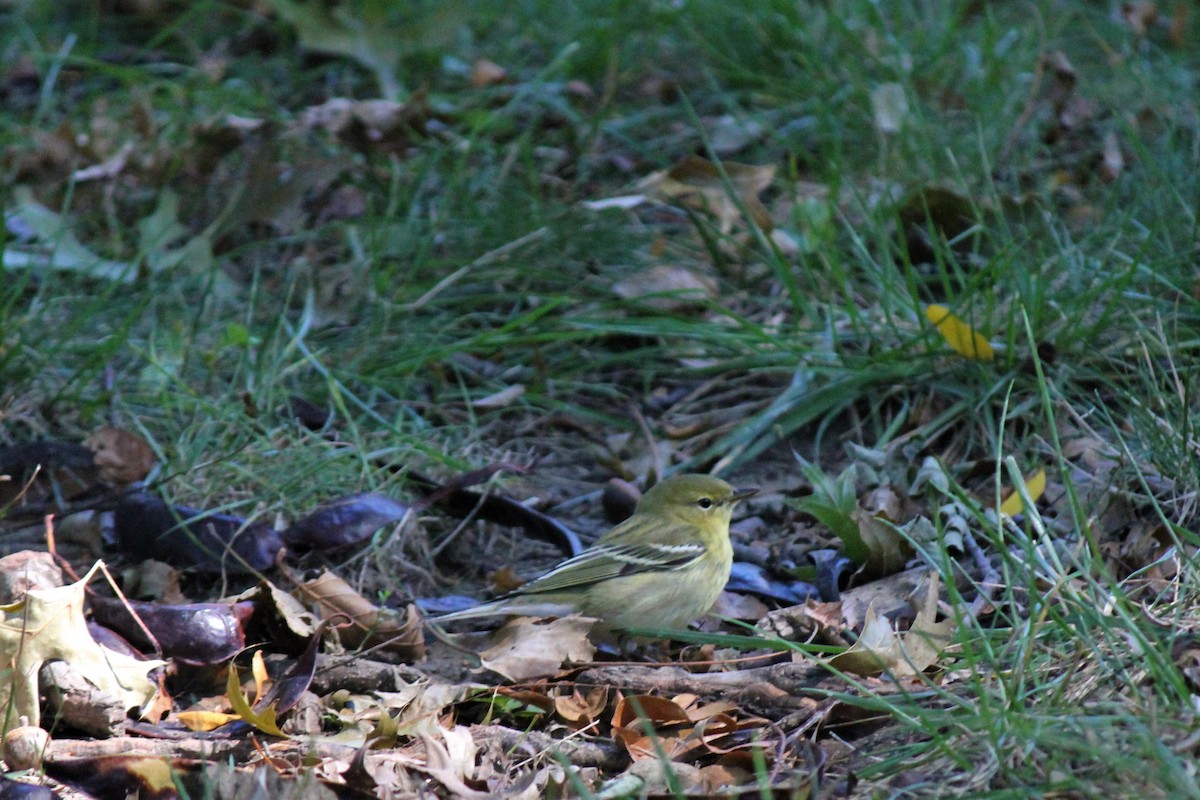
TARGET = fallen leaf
(453,496)
(582,710)
(697,182)
(961,337)
(739,606)
(344,522)
(667,287)
(877,514)
(487,73)
(889,105)
(399,632)
(146,527)
(448,763)
(60,249)
(192,633)
(370,33)
(640,722)
(122,456)
(49,624)
(531,648)
(881,648)
(1035,485)
(262,720)
(204,720)
(370,125)
(501,399)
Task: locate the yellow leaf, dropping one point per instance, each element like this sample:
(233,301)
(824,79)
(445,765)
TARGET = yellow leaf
(264,720)
(1035,486)
(204,720)
(49,625)
(961,337)
(258,667)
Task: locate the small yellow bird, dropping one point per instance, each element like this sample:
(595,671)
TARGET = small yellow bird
(661,568)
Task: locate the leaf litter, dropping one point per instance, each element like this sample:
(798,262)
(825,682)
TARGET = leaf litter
(874,605)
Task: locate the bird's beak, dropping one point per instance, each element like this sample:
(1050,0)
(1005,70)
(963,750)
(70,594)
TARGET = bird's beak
(741,494)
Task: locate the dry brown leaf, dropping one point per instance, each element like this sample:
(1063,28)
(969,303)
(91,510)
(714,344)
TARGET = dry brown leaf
(531,648)
(876,514)
(739,606)
(487,73)
(582,710)
(696,182)
(400,632)
(633,715)
(447,764)
(881,648)
(123,457)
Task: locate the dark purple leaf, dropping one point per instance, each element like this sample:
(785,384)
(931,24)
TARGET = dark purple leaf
(307,413)
(113,641)
(146,527)
(454,499)
(198,633)
(285,692)
(17,790)
(344,522)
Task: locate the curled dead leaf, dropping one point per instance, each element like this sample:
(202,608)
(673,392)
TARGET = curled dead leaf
(400,632)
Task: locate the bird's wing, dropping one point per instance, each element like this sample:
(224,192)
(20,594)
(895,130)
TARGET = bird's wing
(612,560)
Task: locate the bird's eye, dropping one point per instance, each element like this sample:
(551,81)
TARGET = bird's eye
(705,502)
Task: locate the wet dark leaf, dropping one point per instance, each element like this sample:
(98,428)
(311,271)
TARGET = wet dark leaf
(931,215)
(112,640)
(460,502)
(307,413)
(754,579)
(832,566)
(344,522)
(122,775)
(16,790)
(286,691)
(197,633)
(619,499)
(146,527)
(66,471)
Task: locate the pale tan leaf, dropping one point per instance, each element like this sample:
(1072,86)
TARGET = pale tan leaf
(668,287)
(530,648)
(697,183)
(889,104)
(501,399)
(47,625)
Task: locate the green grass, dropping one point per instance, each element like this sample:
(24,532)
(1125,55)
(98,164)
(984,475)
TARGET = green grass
(1069,685)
